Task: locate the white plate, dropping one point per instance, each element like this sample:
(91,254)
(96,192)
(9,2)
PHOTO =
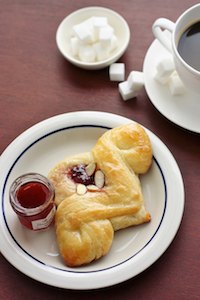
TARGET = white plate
(183,110)
(133,249)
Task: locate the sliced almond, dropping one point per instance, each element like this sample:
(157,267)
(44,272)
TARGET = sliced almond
(99,179)
(90,169)
(92,187)
(81,189)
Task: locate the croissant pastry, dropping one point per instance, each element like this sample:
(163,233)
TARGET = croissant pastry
(87,214)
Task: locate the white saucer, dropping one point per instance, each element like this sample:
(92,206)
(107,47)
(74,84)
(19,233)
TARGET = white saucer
(183,110)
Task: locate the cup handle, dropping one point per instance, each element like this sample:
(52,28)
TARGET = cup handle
(158,27)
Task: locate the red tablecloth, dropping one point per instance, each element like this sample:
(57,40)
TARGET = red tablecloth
(36,82)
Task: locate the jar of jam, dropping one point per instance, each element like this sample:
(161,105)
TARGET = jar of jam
(32,198)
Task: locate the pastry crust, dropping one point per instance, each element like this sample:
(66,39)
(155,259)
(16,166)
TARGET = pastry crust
(85,224)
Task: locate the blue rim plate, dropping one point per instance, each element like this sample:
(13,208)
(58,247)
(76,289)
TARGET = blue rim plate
(134,249)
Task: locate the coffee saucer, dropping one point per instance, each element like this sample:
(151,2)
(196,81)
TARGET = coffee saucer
(183,110)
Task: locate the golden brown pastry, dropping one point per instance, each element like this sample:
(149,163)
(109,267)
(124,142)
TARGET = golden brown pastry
(90,208)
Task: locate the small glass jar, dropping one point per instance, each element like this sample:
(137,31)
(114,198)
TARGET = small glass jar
(32,199)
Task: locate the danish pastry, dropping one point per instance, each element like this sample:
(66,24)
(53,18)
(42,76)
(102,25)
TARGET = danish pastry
(99,192)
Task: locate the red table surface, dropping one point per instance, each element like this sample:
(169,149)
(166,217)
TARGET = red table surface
(36,82)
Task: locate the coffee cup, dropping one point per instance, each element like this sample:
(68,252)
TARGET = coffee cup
(188,72)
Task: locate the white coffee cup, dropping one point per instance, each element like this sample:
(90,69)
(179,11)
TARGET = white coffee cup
(189,75)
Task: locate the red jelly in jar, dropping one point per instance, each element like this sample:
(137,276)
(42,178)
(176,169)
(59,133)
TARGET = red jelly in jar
(32,198)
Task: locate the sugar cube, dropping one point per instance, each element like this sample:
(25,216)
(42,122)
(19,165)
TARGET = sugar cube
(165,67)
(74,45)
(117,72)
(135,80)
(113,43)
(175,84)
(160,79)
(105,35)
(102,53)
(93,39)
(125,91)
(99,21)
(84,32)
(87,53)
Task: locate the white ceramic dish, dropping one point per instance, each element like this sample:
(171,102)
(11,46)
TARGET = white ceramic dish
(183,110)
(119,24)
(133,249)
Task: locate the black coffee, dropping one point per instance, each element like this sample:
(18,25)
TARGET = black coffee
(189,46)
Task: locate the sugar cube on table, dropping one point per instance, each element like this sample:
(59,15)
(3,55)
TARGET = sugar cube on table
(125,91)
(135,80)
(117,72)
(175,84)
